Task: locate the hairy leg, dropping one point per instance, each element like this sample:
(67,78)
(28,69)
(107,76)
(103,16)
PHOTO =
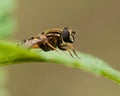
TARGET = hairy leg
(68,47)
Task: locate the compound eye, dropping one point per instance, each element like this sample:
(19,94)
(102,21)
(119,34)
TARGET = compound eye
(68,35)
(65,35)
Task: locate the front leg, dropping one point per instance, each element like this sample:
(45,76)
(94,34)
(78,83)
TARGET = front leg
(68,47)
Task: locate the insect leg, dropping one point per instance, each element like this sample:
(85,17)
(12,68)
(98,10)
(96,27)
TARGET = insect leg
(52,47)
(68,47)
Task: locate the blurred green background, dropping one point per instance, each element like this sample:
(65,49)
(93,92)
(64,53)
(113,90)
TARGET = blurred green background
(97,23)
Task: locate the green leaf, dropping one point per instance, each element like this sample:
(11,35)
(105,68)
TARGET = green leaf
(7,22)
(12,54)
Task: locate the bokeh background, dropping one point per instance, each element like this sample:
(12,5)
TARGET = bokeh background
(97,23)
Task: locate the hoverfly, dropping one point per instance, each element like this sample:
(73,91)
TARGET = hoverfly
(52,39)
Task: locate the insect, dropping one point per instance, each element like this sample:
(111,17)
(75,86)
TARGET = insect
(52,39)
